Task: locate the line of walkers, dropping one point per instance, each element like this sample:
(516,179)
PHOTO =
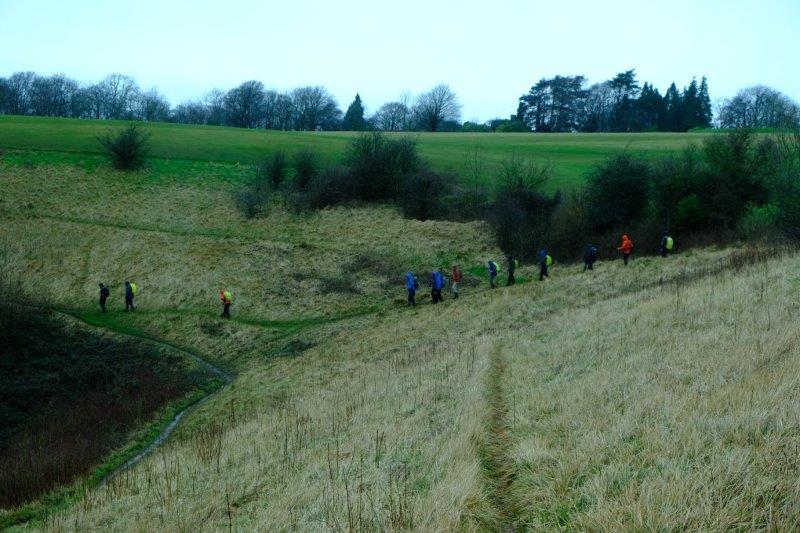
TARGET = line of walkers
(437,280)
(130,296)
(131,290)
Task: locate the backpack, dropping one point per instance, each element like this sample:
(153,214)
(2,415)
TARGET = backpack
(493,267)
(516,263)
(134,289)
(549,260)
(670,243)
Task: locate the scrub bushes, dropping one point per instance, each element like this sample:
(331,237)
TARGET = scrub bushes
(422,193)
(785,184)
(617,192)
(521,213)
(127,148)
(305,169)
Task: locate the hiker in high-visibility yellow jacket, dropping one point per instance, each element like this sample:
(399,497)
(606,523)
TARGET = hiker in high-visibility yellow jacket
(666,244)
(227,299)
(130,294)
(544,263)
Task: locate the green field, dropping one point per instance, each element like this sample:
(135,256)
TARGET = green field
(572,155)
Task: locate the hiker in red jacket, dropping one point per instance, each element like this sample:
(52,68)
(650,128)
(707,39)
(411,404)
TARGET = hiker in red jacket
(455,280)
(626,248)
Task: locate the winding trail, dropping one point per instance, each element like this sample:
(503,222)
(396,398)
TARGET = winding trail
(226,377)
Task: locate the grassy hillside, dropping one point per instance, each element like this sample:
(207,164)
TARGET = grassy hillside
(572,155)
(661,395)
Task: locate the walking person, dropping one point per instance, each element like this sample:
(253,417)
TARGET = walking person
(544,262)
(666,244)
(437,284)
(455,280)
(130,293)
(626,247)
(411,286)
(104,294)
(589,257)
(493,268)
(512,267)
(227,299)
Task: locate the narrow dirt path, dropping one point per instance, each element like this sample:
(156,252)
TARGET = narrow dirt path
(167,430)
(498,467)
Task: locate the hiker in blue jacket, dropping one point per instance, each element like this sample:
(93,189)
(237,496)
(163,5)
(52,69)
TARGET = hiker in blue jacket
(544,259)
(411,286)
(437,284)
(492,267)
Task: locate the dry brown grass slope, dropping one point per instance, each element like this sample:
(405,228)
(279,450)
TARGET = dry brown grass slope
(662,395)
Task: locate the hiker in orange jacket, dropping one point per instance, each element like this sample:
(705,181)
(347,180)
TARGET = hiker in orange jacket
(455,280)
(626,248)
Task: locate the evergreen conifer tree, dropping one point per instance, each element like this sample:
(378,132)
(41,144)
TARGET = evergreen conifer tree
(354,118)
(706,113)
(673,109)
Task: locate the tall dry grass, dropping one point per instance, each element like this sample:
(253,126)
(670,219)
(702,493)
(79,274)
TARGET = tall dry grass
(654,396)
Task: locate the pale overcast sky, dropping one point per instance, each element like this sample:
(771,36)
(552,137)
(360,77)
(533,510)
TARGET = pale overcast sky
(489,52)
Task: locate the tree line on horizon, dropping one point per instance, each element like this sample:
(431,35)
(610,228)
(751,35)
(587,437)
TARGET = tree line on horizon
(558,104)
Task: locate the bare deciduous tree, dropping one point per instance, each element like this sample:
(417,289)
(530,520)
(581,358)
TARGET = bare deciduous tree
(759,107)
(436,107)
(244,105)
(118,95)
(152,106)
(18,93)
(391,116)
(315,108)
(474,165)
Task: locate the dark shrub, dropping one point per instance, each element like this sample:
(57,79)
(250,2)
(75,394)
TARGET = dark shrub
(378,165)
(786,185)
(251,200)
(127,147)
(276,170)
(675,178)
(421,194)
(521,213)
(689,214)
(464,204)
(571,228)
(334,186)
(305,169)
(734,181)
(617,192)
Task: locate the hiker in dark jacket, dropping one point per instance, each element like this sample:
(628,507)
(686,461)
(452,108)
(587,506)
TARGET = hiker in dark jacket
(129,297)
(104,294)
(512,267)
(589,257)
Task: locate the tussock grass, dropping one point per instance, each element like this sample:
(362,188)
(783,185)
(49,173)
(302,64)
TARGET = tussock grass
(661,395)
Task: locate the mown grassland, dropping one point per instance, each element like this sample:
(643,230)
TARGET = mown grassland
(658,396)
(572,155)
